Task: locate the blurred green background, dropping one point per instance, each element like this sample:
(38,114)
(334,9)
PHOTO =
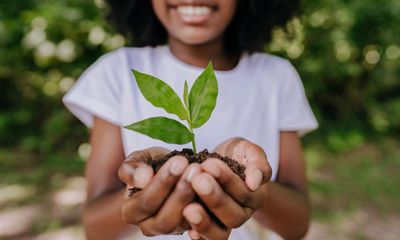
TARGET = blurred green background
(347,52)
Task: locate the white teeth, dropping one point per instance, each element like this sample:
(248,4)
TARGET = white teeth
(194,10)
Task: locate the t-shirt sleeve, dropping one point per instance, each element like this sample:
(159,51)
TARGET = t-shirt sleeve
(294,111)
(96,93)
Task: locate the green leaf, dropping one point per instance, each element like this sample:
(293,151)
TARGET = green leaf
(186,95)
(164,129)
(203,97)
(160,94)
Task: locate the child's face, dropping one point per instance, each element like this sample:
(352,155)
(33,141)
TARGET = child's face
(195,22)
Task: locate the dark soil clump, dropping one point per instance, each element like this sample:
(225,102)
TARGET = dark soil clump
(156,164)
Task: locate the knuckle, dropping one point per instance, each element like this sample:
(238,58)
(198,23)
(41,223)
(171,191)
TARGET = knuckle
(237,221)
(184,192)
(164,178)
(217,201)
(253,147)
(244,199)
(134,156)
(203,227)
(258,148)
(146,206)
(262,193)
(126,216)
(146,232)
(224,236)
(233,223)
(164,226)
(238,139)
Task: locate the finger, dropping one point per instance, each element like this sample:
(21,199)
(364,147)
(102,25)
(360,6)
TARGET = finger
(194,235)
(256,175)
(227,210)
(258,171)
(252,156)
(228,180)
(135,171)
(230,148)
(168,219)
(233,185)
(148,153)
(146,202)
(202,224)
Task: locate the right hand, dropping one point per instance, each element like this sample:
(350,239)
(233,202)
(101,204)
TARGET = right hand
(157,209)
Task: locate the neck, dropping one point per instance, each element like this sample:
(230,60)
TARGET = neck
(200,55)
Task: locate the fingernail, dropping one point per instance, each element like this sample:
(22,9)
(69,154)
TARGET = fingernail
(140,176)
(204,186)
(190,174)
(257,179)
(195,218)
(213,169)
(177,167)
(194,235)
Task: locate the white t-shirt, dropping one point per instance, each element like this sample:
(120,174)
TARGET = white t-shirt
(260,97)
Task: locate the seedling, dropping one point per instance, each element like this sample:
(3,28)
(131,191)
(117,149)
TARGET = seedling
(196,108)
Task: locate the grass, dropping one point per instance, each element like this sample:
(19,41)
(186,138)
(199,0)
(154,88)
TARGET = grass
(42,173)
(365,177)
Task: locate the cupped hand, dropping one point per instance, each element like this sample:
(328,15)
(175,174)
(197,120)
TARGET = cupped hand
(157,209)
(225,194)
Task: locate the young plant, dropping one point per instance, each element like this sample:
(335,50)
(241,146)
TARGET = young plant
(196,109)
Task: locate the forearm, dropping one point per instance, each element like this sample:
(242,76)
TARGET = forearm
(287,211)
(102,217)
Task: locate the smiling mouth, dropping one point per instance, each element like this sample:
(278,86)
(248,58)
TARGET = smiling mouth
(194,14)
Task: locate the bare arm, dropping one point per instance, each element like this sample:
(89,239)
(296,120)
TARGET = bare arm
(102,214)
(287,211)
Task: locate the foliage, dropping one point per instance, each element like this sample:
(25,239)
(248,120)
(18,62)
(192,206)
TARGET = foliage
(348,55)
(196,110)
(160,94)
(347,52)
(164,129)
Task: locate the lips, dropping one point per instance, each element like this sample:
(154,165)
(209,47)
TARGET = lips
(194,14)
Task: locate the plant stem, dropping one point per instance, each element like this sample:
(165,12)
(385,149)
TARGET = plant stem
(194,139)
(189,121)
(194,146)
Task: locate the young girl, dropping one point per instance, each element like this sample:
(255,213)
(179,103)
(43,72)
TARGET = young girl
(261,109)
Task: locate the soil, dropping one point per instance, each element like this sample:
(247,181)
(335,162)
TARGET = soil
(156,164)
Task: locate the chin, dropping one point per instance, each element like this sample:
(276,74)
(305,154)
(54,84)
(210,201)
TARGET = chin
(196,37)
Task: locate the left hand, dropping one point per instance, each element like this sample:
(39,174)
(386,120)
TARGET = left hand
(230,199)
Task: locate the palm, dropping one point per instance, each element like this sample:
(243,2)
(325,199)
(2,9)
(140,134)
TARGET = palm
(241,150)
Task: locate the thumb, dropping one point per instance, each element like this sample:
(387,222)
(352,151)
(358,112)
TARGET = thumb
(135,170)
(135,173)
(258,171)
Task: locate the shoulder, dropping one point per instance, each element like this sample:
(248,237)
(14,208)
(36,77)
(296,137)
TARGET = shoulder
(113,69)
(273,69)
(128,54)
(140,58)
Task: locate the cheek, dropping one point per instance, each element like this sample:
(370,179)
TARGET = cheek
(161,11)
(227,12)
(228,9)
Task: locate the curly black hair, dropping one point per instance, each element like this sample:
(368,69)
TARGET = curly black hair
(249,30)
